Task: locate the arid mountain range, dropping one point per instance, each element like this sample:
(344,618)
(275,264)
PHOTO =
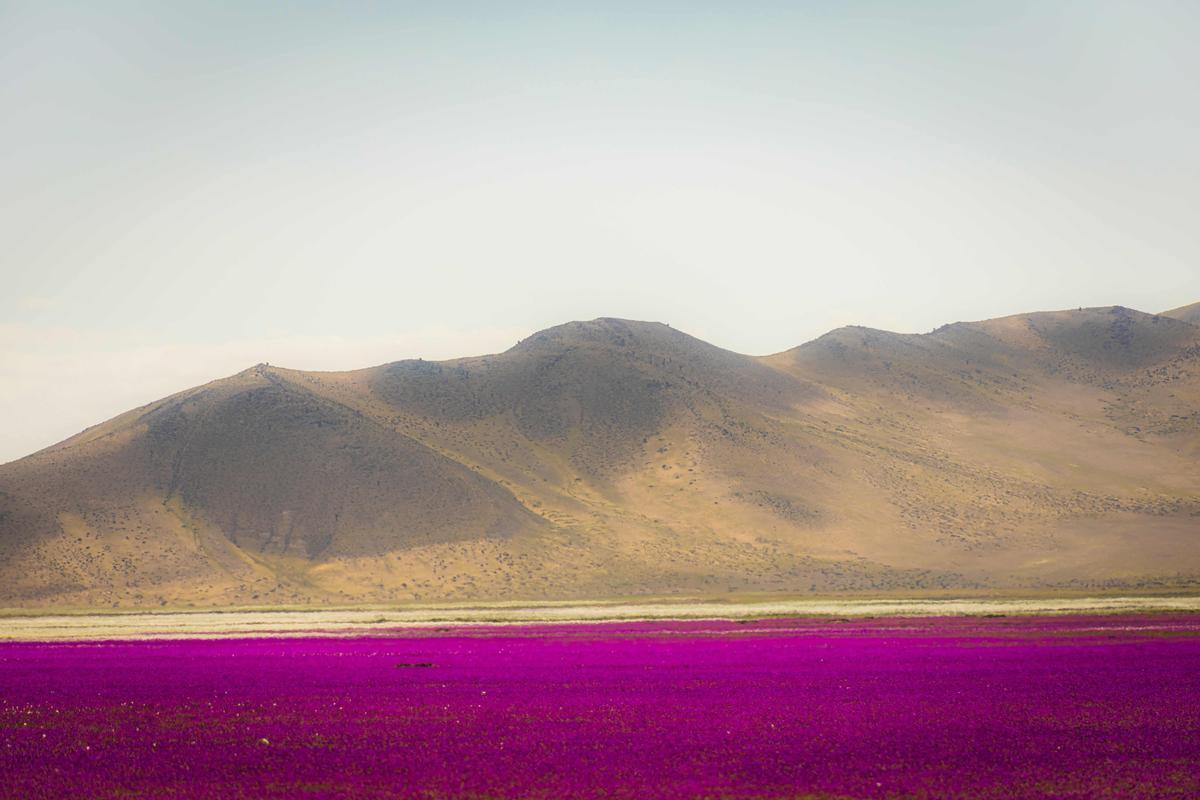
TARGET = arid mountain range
(611,458)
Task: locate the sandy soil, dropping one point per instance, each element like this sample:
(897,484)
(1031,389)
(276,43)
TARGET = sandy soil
(358,622)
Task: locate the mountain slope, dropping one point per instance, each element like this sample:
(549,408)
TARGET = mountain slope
(1188,313)
(613,457)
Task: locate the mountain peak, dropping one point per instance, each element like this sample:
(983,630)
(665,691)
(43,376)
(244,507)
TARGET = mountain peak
(604,331)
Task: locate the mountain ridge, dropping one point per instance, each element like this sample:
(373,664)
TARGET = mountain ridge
(1189,313)
(615,457)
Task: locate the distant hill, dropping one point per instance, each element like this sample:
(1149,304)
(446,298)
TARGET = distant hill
(616,458)
(1190,313)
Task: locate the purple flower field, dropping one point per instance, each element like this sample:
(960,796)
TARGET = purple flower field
(1071,706)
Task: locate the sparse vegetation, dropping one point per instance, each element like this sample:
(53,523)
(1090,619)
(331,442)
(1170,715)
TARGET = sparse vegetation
(614,458)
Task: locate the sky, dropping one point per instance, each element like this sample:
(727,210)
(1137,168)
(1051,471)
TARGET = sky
(187,189)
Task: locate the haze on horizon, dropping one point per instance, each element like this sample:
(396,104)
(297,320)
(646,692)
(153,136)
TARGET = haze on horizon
(188,190)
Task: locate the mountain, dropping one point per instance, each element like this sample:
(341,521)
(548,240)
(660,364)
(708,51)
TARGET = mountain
(1189,313)
(616,458)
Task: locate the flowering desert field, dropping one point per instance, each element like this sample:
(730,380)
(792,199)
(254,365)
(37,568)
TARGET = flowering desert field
(1080,705)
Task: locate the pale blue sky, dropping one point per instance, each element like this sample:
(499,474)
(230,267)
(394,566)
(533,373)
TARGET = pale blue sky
(190,188)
